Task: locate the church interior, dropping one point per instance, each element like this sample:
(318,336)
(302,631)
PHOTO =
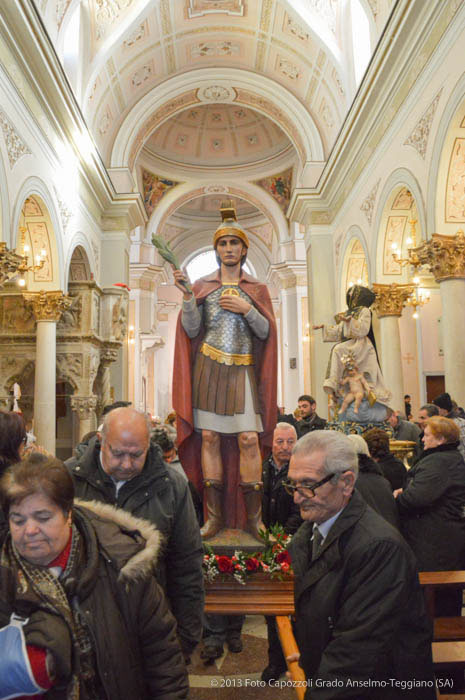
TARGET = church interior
(335,127)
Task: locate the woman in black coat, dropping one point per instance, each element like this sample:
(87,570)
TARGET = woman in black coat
(431,505)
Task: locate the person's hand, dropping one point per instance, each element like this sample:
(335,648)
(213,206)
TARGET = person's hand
(235,304)
(180,279)
(317,328)
(397,492)
(291,659)
(50,632)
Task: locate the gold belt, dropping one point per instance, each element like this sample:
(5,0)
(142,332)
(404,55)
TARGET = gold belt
(225,358)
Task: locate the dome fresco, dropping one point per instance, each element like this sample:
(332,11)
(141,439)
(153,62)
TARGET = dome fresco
(218,134)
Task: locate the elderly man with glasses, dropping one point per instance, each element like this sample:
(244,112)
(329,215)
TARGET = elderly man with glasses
(361,624)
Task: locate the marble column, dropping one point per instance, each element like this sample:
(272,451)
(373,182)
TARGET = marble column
(322,307)
(445,256)
(85,408)
(290,278)
(47,308)
(390,300)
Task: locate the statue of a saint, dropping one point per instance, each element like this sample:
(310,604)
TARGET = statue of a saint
(224,384)
(355,335)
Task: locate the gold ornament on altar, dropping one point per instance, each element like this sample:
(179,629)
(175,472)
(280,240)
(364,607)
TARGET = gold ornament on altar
(15,265)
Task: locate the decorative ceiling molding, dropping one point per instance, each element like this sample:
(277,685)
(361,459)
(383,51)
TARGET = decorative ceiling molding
(200,8)
(15,146)
(216,94)
(368,204)
(420,134)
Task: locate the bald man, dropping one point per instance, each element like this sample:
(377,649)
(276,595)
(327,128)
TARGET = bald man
(123,468)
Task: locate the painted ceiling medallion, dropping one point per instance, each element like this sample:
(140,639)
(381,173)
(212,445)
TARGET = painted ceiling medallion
(216,93)
(215,189)
(199,8)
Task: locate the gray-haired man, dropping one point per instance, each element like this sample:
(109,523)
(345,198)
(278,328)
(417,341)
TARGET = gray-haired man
(360,615)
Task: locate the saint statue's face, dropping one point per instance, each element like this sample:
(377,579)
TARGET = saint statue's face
(230,250)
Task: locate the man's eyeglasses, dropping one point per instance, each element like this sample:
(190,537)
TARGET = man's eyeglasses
(305,490)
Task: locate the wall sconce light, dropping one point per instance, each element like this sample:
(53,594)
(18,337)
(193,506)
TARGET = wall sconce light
(131,335)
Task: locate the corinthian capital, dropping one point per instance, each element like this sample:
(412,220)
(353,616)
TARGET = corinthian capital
(391,298)
(47,306)
(444,255)
(83,405)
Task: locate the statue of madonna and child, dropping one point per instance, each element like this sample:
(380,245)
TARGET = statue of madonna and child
(354,382)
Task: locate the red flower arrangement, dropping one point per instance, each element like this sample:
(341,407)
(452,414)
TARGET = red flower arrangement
(274,559)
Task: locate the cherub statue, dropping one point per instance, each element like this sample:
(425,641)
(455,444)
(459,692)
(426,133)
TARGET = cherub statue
(358,387)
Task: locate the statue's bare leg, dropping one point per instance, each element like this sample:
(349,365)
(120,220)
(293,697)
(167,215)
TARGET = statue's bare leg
(250,465)
(347,400)
(212,470)
(358,401)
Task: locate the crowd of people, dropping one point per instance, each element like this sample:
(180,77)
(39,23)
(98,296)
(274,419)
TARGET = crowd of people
(101,557)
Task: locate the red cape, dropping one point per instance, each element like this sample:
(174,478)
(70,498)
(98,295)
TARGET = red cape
(266,361)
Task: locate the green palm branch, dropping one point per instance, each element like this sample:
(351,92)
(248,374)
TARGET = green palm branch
(167,254)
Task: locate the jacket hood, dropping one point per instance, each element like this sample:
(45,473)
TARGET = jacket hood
(132,543)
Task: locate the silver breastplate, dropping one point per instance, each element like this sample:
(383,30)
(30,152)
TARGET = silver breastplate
(228,338)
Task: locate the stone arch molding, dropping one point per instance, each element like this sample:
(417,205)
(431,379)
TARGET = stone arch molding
(34,186)
(181,194)
(79,239)
(441,150)
(402,177)
(236,86)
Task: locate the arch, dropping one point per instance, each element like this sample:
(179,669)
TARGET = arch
(256,92)
(354,237)
(4,207)
(255,195)
(440,161)
(34,188)
(397,180)
(79,240)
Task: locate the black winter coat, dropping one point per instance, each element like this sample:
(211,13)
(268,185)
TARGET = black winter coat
(360,613)
(432,507)
(132,630)
(160,495)
(394,470)
(376,490)
(278,507)
(306,425)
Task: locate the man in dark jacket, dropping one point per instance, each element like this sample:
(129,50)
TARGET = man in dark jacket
(278,507)
(125,470)
(309,419)
(361,623)
(404,430)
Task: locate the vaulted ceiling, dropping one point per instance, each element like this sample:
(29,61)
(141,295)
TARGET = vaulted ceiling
(145,60)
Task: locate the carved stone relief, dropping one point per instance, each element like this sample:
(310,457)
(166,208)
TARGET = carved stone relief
(455,193)
(71,318)
(69,367)
(16,317)
(420,134)
(368,204)
(15,146)
(119,319)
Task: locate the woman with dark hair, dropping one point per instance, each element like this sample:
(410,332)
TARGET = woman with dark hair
(393,469)
(12,438)
(354,337)
(81,614)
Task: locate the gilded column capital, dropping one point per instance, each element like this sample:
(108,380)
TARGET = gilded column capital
(444,255)
(47,306)
(83,405)
(391,298)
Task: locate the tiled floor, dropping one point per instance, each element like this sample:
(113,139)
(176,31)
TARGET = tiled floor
(238,675)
